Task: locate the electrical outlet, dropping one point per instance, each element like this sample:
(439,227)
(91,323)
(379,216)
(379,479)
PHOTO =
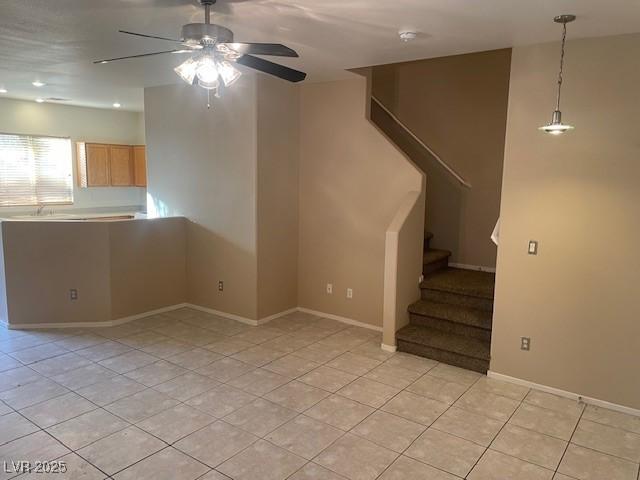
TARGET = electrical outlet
(349,292)
(525,343)
(221,286)
(329,288)
(73,294)
(533,247)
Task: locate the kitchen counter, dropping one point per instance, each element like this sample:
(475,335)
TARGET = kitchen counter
(76,217)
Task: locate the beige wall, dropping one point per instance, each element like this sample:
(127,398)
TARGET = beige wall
(81,124)
(202,165)
(456,105)
(578,196)
(43,260)
(277,195)
(4,314)
(352,182)
(119,268)
(233,172)
(148,265)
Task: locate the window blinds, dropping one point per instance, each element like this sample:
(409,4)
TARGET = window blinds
(35,170)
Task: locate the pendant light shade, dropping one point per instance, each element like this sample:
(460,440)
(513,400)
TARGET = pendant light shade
(556,127)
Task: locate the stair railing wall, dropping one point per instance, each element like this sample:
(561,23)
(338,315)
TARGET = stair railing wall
(417,139)
(402,265)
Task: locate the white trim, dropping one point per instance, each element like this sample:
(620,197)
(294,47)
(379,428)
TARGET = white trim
(478,268)
(230,316)
(348,321)
(264,320)
(238,318)
(389,348)
(107,323)
(563,393)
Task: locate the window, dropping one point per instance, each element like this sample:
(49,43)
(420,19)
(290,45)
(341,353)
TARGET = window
(35,170)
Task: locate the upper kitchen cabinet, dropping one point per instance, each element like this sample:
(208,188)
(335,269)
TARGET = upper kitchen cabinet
(121,165)
(103,165)
(140,166)
(93,165)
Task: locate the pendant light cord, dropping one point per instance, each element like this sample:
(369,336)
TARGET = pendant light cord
(564,38)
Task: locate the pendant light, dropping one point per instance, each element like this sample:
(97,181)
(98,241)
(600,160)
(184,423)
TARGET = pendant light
(556,127)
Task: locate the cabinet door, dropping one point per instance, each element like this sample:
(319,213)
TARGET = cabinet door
(97,165)
(121,166)
(140,166)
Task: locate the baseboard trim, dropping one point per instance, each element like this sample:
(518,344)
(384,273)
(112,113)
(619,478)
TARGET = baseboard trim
(108,323)
(231,316)
(264,320)
(348,321)
(389,348)
(563,393)
(238,318)
(478,268)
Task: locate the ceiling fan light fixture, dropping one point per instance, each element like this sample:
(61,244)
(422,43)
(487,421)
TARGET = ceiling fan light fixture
(228,73)
(207,71)
(209,85)
(187,70)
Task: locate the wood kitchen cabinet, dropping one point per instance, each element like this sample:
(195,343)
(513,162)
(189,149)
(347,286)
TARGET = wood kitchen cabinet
(140,166)
(96,170)
(104,165)
(121,165)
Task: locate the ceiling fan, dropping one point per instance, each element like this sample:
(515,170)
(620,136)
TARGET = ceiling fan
(214,52)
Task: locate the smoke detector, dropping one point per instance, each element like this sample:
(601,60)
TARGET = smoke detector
(407,35)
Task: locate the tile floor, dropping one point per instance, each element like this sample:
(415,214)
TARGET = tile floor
(187,395)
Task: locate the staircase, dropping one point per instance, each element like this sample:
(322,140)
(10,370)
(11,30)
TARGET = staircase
(451,323)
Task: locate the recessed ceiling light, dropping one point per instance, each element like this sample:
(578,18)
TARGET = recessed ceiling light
(407,35)
(3,90)
(40,100)
(38,83)
(116,105)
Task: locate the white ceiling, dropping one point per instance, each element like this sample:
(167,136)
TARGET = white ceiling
(55,41)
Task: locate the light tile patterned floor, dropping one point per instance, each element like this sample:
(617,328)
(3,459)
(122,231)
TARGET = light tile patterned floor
(188,395)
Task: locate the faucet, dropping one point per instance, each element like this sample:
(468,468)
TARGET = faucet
(39,210)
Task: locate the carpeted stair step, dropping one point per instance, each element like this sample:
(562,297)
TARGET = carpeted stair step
(434,259)
(456,319)
(457,350)
(461,287)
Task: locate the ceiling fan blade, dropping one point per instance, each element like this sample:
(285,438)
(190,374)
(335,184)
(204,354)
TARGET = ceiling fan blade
(108,60)
(150,36)
(275,49)
(271,68)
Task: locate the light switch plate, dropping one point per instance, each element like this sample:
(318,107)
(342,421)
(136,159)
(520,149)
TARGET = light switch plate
(533,247)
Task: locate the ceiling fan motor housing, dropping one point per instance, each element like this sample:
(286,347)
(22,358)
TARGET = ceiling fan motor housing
(197,33)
